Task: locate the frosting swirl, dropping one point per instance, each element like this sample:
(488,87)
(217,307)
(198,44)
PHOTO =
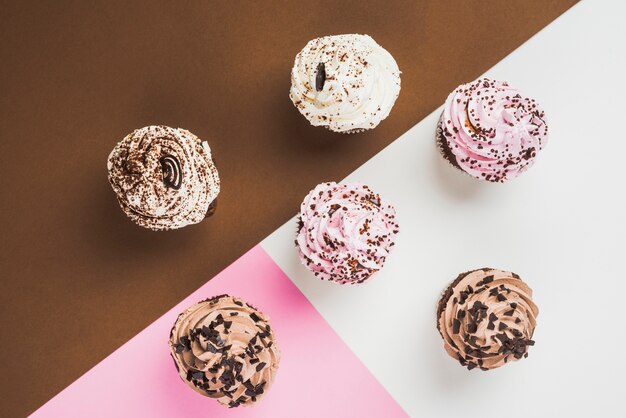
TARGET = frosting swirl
(347,83)
(164,178)
(487,318)
(345,232)
(223,348)
(491,131)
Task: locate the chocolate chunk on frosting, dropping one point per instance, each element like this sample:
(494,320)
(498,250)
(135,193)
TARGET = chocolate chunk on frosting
(346,83)
(484,330)
(491,131)
(172,172)
(225,349)
(320,78)
(345,232)
(164,178)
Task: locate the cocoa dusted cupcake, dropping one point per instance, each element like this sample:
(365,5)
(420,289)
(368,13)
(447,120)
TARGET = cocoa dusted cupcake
(345,232)
(346,83)
(491,131)
(164,177)
(487,318)
(225,349)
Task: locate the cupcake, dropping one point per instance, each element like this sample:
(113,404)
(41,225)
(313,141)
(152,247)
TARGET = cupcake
(487,318)
(164,178)
(223,348)
(345,232)
(491,131)
(346,83)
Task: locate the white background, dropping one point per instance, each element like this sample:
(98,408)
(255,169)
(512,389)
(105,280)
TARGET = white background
(561,226)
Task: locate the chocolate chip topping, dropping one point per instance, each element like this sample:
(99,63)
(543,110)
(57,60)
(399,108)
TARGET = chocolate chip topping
(172,172)
(456,326)
(320,78)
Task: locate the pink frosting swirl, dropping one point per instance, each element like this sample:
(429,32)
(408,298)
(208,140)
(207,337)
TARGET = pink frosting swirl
(345,232)
(491,131)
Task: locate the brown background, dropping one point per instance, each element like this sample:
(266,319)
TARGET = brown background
(77,278)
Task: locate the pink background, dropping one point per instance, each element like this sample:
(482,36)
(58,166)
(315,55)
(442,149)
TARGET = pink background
(318,374)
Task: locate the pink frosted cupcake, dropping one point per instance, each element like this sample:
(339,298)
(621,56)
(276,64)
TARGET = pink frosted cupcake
(491,131)
(345,232)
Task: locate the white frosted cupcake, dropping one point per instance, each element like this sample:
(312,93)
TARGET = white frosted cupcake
(346,83)
(164,178)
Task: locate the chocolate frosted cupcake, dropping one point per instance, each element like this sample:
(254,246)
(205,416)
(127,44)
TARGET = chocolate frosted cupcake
(164,178)
(223,348)
(346,83)
(487,318)
(345,232)
(491,131)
